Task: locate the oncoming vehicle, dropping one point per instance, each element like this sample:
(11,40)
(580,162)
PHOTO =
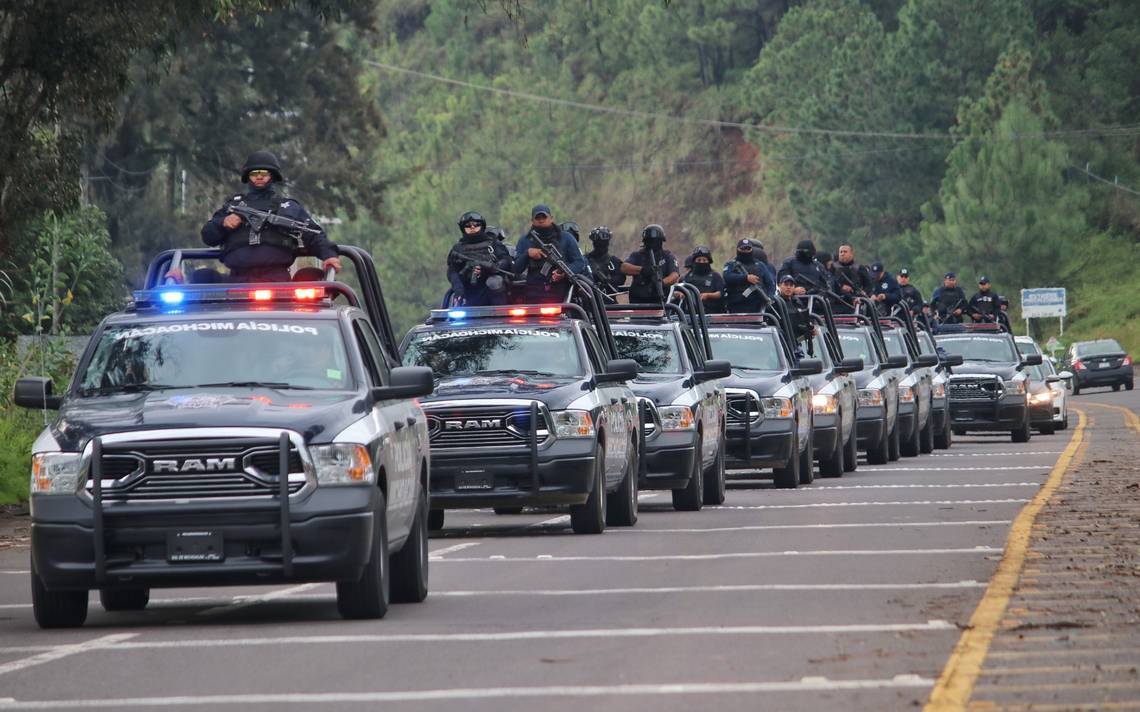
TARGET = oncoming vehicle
(678,385)
(989,391)
(179,458)
(531,408)
(769,397)
(1099,363)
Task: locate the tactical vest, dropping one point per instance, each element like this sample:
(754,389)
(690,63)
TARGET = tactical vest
(269,235)
(482,251)
(603,267)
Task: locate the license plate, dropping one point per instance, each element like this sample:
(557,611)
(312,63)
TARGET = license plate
(194,547)
(1103,364)
(475,480)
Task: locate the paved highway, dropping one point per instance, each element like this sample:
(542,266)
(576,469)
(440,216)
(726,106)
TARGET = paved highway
(848,594)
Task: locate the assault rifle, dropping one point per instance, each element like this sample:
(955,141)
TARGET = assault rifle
(856,290)
(654,275)
(258,219)
(488,267)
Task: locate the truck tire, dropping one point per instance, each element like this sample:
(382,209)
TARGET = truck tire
(409,565)
(807,463)
(715,479)
(944,439)
(124,599)
(621,509)
(788,476)
(851,455)
(506,511)
(590,517)
(435,520)
(834,464)
(909,446)
(893,453)
(57,609)
(1047,429)
(881,452)
(1022,434)
(926,437)
(690,497)
(368,596)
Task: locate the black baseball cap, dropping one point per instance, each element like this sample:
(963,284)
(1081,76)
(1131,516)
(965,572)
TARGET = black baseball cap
(876,266)
(540,209)
(983,280)
(787,278)
(950,275)
(745,243)
(904,272)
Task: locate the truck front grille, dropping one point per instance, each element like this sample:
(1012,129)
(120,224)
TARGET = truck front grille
(474,426)
(974,389)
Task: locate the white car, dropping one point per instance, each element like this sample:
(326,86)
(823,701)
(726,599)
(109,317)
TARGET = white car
(1026,345)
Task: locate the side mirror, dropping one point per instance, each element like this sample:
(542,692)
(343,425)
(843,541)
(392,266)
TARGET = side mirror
(927,360)
(618,370)
(714,369)
(1054,379)
(36,393)
(896,362)
(1066,375)
(406,382)
(953,360)
(850,365)
(807,367)
(1031,360)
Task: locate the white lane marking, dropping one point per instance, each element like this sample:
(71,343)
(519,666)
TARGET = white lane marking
(766,527)
(16,572)
(449,549)
(240,602)
(734,555)
(63,651)
(994,454)
(956,485)
(873,504)
(806,684)
(725,588)
(648,495)
(991,468)
(560,519)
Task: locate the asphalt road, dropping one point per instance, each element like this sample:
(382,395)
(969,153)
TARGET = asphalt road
(847,594)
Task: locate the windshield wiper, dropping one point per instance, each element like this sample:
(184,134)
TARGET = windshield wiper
(254,384)
(512,372)
(753,368)
(127,388)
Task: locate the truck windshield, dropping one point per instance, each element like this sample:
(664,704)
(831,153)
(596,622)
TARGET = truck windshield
(655,350)
(753,350)
(281,353)
(857,344)
(981,348)
(894,343)
(496,350)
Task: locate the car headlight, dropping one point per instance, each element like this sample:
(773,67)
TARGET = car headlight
(1057,388)
(1045,396)
(906,394)
(573,424)
(55,472)
(342,464)
(824,404)
(1015,387)
(870,396)
(940,390)
(676,417)
(777,407)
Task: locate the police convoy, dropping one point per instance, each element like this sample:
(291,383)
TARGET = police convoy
(178,458)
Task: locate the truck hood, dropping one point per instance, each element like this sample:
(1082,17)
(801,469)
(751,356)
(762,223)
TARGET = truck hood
(980,368)
(318,415)
(557,392)
(764,383)
(661,388)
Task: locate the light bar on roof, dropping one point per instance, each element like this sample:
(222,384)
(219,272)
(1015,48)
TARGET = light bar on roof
(467,313)
(180,296)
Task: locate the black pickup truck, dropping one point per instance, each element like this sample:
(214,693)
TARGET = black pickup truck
(878,411)
(221,434)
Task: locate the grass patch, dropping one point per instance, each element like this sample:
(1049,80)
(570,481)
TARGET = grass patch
(18,429)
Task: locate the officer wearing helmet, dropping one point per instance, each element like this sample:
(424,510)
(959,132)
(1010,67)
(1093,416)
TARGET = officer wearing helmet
(573,228)
(266,255)
(748,285)
(605,267)
(654,269)
(709,282)
(500,234)
(807,274)
(478,266)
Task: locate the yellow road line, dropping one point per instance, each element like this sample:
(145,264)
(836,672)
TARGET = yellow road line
(1130,417)
(952,691)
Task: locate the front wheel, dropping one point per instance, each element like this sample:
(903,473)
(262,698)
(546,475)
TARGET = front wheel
(851,454)
(368,596)
(57,609)
(881,452)
(410,564)
(926,437)
(788,476)
(714,479)
(435,520)
(124,599)
(893,451)
(1022,434)
(807,463)
(621,509)
(910,446)
(1047,429)
(944,439)
(690,497)
(506,511)
(590,517)
(834,464)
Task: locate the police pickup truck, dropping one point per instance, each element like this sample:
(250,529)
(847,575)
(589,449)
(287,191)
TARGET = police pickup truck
(940,397)
(222,434)
(989,391)
(916,387)
(835,396)
(684,402)
(769,396)
(878,381)
(530,408)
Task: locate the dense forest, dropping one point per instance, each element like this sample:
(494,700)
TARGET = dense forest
(982,136)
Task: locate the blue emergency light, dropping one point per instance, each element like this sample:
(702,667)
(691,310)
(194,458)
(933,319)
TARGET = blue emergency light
(172,297)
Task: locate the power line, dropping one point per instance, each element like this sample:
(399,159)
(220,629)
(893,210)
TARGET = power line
(1129,130)
(1114,183)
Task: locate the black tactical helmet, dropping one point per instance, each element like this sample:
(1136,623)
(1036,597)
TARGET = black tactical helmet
(497,232)
(702,251)
(653,233)
(470,217)
(601,234)
(572,227)
(263,161)
(805,250)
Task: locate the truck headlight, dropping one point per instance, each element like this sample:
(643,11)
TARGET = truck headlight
(1040,398)
(342,464)
(1014,387)
(906,394)
(776,407)
(824,404)
(573,424)
(940,389)
(55,472)
(676,417)
(870,397)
